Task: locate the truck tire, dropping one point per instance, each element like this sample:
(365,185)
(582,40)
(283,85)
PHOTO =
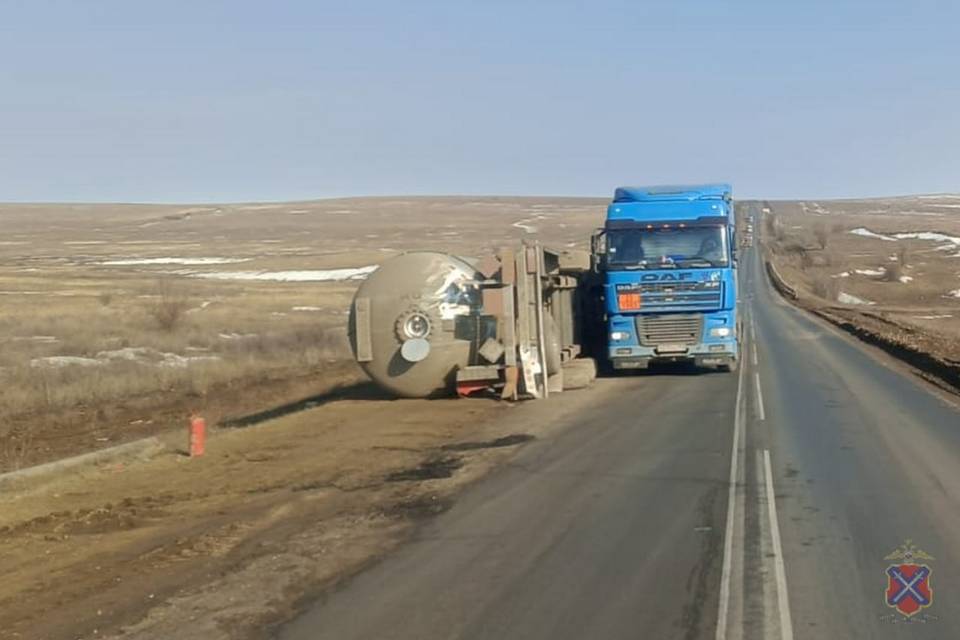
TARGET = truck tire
(579,373)
(731,366)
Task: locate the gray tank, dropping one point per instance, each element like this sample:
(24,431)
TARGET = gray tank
(404,324)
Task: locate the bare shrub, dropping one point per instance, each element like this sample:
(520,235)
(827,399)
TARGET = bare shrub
(17,445)
(806,260)
(893,273)
(168,311)
(821,234)
(795,248)
(774,227)
(826,287)
(105,298)
(838,227)
(903,254)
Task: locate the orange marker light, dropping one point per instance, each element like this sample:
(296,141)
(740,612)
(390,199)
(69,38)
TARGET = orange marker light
(628,301)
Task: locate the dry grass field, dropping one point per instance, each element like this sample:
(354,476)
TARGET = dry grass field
(890,266)
(118,320)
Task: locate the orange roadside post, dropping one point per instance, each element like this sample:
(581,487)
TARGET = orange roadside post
(198,436)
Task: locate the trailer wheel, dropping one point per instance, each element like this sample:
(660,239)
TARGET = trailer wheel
(579,373)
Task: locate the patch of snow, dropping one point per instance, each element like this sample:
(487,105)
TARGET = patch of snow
(522,224)
(846,298)
(842,274)
(307,309)
(261,207)
(147,356)
(40,339)
(57,362)
(236,336)
(954,294)
(203,305)
(871,272)
(175,361)
(866,233)
(940,316)
(906,279)
(83,242)
(952,241)
(187,261)
(326,275)
(127,353)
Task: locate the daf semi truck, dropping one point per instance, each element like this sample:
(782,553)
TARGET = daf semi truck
(666,258)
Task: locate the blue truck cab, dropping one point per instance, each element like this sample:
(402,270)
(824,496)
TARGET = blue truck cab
(667,261)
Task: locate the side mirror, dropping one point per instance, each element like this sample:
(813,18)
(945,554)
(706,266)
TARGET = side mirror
(598,250)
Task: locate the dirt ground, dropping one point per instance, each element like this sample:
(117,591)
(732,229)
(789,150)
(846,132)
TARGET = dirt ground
(118,321)
(275,513)
(260,294)
(888,270)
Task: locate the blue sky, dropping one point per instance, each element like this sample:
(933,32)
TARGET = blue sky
(231,100)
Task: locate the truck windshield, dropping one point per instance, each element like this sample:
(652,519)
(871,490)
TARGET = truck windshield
(667,248)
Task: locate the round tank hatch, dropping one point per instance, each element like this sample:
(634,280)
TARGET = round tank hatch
(415,349)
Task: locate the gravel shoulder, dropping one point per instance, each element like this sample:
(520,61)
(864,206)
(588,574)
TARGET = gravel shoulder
(273,516)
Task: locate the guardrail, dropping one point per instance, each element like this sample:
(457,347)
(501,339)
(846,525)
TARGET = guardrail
(779,283)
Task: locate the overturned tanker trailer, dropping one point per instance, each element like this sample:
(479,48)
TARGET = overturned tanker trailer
(515,323)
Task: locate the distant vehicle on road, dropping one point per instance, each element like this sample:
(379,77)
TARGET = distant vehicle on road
(667,259)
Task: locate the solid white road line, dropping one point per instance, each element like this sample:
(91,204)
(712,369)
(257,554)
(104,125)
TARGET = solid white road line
(786,625)
(753,352)
(724,599)
(760,413)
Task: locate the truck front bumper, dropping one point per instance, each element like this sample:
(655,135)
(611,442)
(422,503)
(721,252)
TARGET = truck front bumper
(710,354)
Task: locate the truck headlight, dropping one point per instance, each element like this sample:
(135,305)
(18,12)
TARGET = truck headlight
(720,332)
(619,335)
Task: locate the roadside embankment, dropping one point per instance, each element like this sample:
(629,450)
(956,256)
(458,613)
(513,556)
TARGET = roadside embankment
(933,355)
(277,511)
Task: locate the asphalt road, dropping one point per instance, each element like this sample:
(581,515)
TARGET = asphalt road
(618,526)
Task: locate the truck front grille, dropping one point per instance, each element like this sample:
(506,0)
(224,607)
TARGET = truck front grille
(692,295)
(668,329)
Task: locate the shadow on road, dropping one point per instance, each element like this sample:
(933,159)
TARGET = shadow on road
(660,369)
(357,391)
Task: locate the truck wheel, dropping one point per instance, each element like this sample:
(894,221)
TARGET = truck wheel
(579,373)
(730,366)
